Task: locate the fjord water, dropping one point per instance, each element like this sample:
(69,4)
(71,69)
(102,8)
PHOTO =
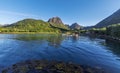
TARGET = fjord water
(81,50)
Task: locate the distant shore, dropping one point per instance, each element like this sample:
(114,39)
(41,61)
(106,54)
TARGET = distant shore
(29,33)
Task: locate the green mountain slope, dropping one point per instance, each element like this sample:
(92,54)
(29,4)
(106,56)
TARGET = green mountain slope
(29,25)
(113,19)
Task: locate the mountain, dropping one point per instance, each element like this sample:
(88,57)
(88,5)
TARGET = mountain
(57,22)
(88,27)
(112,19)
(30,25)
(67,25)
(75,26)
(54,24)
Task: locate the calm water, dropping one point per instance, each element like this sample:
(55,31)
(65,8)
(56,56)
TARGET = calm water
(94,52)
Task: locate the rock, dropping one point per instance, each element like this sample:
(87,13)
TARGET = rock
(55,20)
(50,67)
(75,26)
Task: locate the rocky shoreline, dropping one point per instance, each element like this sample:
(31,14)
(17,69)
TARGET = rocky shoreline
(40,66)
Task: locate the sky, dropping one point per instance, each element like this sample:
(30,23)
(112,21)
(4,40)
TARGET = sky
(84,12)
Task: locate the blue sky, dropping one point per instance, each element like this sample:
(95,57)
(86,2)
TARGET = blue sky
(84,12)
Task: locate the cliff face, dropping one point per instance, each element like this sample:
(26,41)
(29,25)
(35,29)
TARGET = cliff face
(113,19)
(55,20)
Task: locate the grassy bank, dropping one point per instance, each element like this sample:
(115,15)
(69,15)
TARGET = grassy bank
(29,33)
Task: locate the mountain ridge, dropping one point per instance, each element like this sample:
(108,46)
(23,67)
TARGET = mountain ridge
(33,25)
(112,19)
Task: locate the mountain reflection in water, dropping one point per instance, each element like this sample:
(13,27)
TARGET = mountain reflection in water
(82,50)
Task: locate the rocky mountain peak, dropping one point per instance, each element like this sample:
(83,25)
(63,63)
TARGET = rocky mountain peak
(75,26)
(55,20)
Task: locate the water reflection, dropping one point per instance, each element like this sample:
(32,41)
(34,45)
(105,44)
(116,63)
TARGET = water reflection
(75,38)
(32,37)
(82,50)
(114,46)
(53,40)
